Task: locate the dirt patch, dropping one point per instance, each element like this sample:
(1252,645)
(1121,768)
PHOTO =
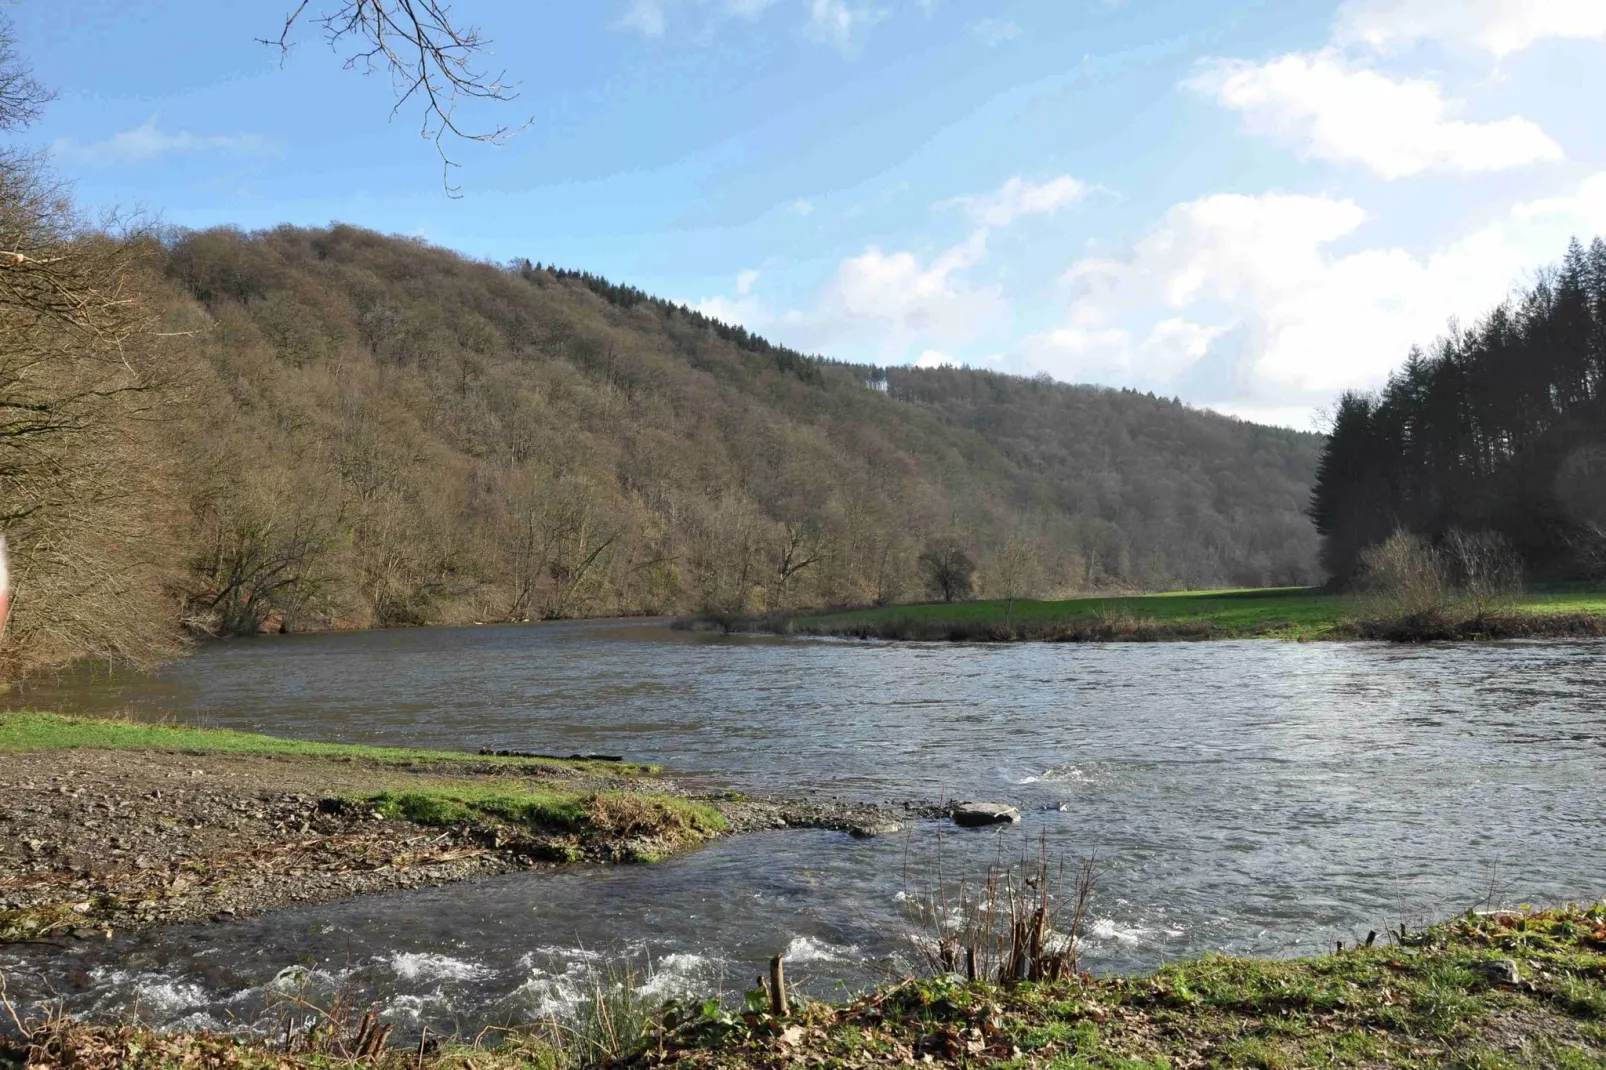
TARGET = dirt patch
(96,840)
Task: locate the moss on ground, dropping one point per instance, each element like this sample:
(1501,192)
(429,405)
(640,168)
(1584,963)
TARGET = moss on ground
(639,826)
(27,731)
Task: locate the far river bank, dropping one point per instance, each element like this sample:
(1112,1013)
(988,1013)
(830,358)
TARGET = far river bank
(1300,614)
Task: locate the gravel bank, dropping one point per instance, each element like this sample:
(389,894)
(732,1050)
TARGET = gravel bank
(97,840)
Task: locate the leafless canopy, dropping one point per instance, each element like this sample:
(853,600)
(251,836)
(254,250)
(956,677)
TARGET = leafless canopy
(430,57)
(21,96)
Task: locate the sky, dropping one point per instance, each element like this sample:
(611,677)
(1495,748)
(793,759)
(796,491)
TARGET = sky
(1252,205)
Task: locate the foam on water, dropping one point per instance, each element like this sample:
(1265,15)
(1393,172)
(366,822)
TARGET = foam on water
(809,949)
(145,994)
(680,974)
(424,966)
(1062,774)
(1110,929)
(555,989)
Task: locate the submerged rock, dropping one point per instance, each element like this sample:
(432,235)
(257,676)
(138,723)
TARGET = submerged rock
(872,829)
(975,814)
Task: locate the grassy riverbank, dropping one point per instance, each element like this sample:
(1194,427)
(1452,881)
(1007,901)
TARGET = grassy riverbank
(1298,613)
(1517,989)
(21,732)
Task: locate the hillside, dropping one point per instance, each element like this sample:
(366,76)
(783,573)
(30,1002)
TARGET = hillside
(403,435)
(343,429)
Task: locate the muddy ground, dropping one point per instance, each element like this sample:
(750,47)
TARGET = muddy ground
(92,841)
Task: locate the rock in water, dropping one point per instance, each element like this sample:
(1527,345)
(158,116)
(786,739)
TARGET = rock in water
(975,814)
(871,829)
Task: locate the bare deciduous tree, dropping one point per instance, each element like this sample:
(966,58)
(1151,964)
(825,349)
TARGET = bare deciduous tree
(1017,570)
(429,55)
(22,97)
(799,548)
(85,464)
(948,569)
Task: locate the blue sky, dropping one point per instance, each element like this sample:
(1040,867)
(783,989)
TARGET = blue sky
(1252,204)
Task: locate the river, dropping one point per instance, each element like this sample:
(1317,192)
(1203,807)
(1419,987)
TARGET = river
(1257,796)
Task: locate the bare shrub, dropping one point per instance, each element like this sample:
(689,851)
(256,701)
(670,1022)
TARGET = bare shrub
(1404,577)
(1484,570)
(1411,589)
(1021,921)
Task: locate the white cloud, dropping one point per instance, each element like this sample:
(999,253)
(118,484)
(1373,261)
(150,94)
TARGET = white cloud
(1243,300)
(877,306)
(148,141)
(994,32)
(651,17)
(935,358)
(741,311)
(745,309)
(838,23)
(646,17)
(889,302)
(801,207)
(1021,197)
(1499,27)
(1586,206)
(1167,349)
(1346,114)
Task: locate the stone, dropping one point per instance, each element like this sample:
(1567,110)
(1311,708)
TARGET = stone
(873,829)
(976,814)
(1502,971)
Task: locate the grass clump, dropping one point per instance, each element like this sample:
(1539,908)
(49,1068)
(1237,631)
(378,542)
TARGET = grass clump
(556,825)
(26,731)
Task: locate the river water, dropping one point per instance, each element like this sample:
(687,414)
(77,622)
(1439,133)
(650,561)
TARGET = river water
(1256,796)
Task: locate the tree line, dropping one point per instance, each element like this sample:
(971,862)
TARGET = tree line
(1500,428)
(312,428)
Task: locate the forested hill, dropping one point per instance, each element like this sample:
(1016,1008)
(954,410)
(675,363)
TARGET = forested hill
(1501,428)
(398,435)
(311,428)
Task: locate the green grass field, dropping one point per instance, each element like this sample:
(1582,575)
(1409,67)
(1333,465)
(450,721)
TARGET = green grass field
(1280,612)
(51,731)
